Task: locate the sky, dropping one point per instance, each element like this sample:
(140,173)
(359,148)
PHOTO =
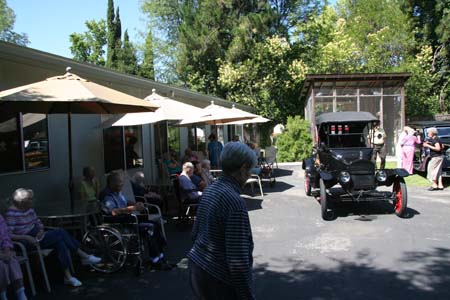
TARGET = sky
(49,23)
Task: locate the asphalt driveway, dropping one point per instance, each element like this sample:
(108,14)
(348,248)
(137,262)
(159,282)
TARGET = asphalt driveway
(365,253)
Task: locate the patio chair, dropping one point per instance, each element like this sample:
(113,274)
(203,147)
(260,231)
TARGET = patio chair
(255,179)
(40,253)
(271,155)
(155,214)
(22,258)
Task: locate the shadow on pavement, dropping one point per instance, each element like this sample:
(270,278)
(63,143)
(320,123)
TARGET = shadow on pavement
(358,280)
(282,172)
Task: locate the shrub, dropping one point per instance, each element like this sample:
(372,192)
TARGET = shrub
(295,143)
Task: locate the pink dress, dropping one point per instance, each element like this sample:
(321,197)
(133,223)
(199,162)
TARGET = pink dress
(408,147)
(9,270)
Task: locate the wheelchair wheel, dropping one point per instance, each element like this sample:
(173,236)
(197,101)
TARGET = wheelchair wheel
(108,244)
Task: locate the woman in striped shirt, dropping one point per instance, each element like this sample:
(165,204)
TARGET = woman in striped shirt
(25,226)
(221,261)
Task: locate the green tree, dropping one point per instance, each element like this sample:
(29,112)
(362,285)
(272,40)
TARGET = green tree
(295,143)
(89,46)
(147,68)
(114,35)
(269,80)
(7,20)
(127,61)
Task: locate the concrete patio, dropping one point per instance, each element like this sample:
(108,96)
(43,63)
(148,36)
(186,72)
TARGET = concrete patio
(366,253)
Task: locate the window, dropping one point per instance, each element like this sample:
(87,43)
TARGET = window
(174,139)
(196,138)
(122,148)
(23,142)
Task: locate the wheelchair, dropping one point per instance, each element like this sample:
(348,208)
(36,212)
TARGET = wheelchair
(118,242)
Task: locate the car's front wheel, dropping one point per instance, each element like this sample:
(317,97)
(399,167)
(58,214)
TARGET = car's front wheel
(307,185)
(400,196)
(327,213)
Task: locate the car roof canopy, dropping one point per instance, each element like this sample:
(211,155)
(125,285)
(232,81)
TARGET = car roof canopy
(345,116)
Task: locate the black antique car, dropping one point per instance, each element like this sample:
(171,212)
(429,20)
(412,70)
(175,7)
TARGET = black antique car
(422,155)
(342,157)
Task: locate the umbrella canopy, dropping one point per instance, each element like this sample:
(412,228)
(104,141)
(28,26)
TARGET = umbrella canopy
(70,93)
(169,109)
(258,119)
(215,114)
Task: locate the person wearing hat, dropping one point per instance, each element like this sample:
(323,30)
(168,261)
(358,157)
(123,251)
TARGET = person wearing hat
(377,137)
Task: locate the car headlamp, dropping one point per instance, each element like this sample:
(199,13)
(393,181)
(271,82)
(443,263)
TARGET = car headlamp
(381,176)
(344,177)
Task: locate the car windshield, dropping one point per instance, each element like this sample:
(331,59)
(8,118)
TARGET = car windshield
(443,131)
(344,135)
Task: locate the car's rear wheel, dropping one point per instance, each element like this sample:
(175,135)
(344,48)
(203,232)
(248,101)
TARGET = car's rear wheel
(327,213)
(400,196)
(307,185)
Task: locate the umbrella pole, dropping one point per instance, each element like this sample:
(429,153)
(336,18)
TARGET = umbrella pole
(69,128)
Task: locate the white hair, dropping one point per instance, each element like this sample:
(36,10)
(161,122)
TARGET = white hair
(188,165)
(205,162)
(21,195)
(235,155)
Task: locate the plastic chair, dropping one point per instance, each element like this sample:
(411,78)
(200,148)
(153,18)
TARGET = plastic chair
(271,155)
(23,259)
(41,253)
(255,179)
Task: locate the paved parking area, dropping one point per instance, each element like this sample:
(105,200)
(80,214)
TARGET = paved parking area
(366,253)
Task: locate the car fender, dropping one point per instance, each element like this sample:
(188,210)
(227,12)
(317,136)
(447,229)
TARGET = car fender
(326,176)
(397,172)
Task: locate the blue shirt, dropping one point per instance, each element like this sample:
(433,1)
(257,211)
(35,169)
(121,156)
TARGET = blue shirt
(223,242)
(112,200)
(214,150)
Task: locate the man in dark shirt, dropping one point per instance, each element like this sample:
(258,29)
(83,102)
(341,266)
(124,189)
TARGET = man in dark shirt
(221,261)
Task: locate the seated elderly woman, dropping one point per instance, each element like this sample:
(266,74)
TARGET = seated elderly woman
(88,190)
(189,155)
(10,273)
(189,192)
(25,226)
(115,204)
(206,172)
(172,164)
(140,190)
(197,177)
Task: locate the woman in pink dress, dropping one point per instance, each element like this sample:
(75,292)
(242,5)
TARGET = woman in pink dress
(408,148)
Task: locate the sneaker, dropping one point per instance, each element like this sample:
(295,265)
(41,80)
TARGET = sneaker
(72,282)
(162,266)
(91,260)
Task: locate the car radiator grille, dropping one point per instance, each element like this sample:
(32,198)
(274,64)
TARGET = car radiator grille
(362,168)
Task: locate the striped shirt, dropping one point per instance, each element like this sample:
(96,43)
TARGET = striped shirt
(5,239)
(223,242)
(21,222)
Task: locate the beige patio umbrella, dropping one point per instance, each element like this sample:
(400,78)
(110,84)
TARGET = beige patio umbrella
(169,110)
(258,119)
(69,94)
(215,114)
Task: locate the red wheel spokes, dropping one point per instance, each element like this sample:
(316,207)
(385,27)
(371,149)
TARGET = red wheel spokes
(398,196)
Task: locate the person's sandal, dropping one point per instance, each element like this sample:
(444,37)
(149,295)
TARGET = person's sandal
(433,189)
